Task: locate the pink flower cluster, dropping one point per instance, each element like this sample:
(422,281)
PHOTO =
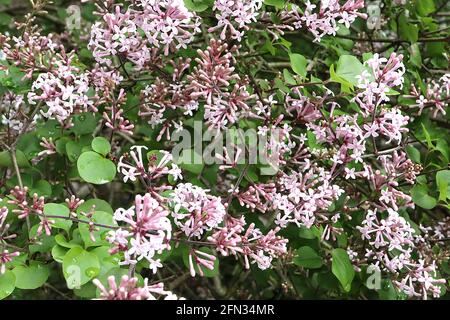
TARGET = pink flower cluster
(166,24)
(30,51)
(168,93)
(13,111)
(146,232)
(211,80)
(64,90)
(392,242)
(384,74)
(5,255)
(436,96)
(234,239)
(128,289)
(304,197)
(133,166)
(325,20)
(234,16)
(195,211)
(19,197)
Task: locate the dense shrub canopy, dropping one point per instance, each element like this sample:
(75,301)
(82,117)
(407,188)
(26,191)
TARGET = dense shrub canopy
(159,149)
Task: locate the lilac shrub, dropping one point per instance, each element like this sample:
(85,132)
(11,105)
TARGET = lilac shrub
(170,149)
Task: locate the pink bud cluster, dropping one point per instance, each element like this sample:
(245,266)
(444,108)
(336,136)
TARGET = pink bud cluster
(19,197)
(250,243)
(5,255)
(114,115)
(211,80)
(129,289)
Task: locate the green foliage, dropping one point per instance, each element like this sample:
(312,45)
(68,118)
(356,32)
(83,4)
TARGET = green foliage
(31,277)
(101,145)
(79,267)
(80,155)
(7,283)
(298,63)
(342,268)
(94,168)
(307,257)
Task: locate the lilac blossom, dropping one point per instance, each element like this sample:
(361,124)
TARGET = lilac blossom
(234,16)
(212,79)
(250,243)
(194,210)
(146,231)
(323,19)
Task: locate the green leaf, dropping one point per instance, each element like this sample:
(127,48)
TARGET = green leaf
(427,137)
(107,261)
(298,64)
(345,85)
(348,68)
(99,235)
(48,129)
(42,188)
(443,183)
(413,153)
(442,147)
(419,194)
(288,77)
(5,19)
(197,5)
(60,240)
(279,4)
(101,145)
(342,268)
(73,150)
(88,291)
(95,169)
(84,123)
(7,284)
(415,57)
(58,253)
(6,161)
(97,205)
(55,209)
(407,31)
(307,257)
(424,7)
(80,266)
(306,233)
(31,277)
